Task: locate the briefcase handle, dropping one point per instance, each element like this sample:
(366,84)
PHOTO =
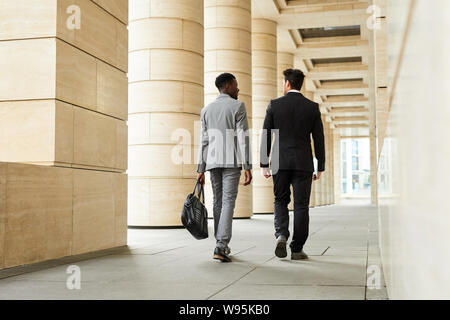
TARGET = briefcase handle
(201,191)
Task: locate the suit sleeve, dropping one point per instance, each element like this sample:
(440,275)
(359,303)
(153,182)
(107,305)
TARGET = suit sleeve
(266,138)
(243,136)
(319,141)
(204,142)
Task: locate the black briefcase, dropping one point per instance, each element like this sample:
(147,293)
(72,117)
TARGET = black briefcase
(194,215)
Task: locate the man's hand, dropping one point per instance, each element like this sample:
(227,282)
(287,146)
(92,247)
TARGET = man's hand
(266,172)
(201,177)
(315,178)
(248,177)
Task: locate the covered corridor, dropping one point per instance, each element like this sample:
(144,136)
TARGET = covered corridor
(100,102)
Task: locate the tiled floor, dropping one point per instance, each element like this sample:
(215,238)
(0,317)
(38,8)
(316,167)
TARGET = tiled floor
(170,264)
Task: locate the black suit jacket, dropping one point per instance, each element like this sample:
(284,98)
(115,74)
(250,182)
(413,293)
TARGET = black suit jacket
(296,117)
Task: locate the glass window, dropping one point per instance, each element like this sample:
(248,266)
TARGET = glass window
(355,182)
(355,163)
(355,147)
(344,150)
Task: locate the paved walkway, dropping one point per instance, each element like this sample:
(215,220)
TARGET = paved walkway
(170,264)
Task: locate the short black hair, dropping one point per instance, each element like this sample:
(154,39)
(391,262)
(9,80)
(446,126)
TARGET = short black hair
(223,79)
(295,78)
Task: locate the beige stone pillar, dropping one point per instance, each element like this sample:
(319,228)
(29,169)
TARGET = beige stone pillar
(381,77)
(166,96)
(378,102)
(326,174)
(228,49)
(330,166)
(314,187)
(318,193)
(264,84)
(323,194)
(285,60)
(337,166)
(312,199)
(373,160)
(72,111)
(63,110)
(322,181)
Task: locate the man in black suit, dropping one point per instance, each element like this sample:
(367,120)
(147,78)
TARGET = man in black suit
(293,118)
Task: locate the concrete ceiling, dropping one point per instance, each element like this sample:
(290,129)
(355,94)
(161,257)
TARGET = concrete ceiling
(338,66)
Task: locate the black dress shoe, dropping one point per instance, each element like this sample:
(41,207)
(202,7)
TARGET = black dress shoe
(280,250)
(220,254)
(299,255)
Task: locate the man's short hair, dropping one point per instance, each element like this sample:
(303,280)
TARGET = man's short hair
(223,79)
(295,78)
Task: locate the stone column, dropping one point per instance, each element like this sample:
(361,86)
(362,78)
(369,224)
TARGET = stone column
(312,200)
(314,187)
(264,71)
(381,75)
(327,164)
(322,181)
(330,166)
(228,49)
(63,112)
(165,99)
(285,60)
(373,159)
(337,166)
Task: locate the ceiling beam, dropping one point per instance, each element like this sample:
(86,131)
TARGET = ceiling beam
(326,50)
(354,118)
(354,137)
(324,4)
(339,71)
(356,125)
(343,87)
(301,18)
(345,101)
(344,109)
(316,14)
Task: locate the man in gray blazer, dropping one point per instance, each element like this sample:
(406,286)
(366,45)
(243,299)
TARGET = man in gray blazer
(225,148)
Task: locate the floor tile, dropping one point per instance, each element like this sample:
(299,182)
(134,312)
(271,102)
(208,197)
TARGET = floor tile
(171,264)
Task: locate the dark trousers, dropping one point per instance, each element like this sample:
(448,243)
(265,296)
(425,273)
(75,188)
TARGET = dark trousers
(301,184)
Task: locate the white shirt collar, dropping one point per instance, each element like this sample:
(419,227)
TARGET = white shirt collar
(297,91)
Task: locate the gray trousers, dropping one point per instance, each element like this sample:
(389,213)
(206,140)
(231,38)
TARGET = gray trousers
(225,183)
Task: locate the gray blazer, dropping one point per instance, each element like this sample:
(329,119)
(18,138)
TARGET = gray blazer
(225,137)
